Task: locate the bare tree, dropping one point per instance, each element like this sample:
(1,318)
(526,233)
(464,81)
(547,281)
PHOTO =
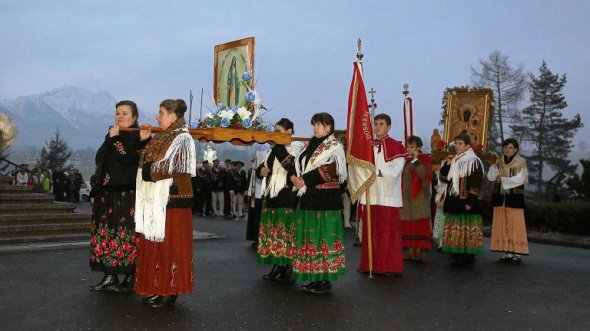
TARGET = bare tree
(508,84)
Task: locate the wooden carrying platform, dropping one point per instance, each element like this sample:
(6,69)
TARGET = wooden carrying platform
(238,137)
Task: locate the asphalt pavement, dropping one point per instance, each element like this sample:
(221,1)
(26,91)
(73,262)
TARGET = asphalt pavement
(550,290)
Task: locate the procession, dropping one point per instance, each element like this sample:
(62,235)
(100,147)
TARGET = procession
(143,194)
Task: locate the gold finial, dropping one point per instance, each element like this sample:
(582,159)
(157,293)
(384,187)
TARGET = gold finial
(359,54)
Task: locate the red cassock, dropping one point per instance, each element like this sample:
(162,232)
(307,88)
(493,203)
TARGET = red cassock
(385,213)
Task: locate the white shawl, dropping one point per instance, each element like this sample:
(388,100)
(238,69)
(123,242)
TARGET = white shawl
(151,198)
(330,150)
(278,178)
(462,166)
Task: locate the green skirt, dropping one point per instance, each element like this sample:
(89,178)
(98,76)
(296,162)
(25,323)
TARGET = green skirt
(276,236)
(462,234)
(320,246)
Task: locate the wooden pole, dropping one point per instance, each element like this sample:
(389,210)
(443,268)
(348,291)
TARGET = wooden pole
(369,239)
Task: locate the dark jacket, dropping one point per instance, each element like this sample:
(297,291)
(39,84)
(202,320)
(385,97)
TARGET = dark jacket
(116,162)
(216,179)
(323,186)
(202,180)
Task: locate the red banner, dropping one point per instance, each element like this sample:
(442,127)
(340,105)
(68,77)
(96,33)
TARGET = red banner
(359,138)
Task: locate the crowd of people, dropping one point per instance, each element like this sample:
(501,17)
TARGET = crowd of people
(220,190)
(148,187)
(65,184)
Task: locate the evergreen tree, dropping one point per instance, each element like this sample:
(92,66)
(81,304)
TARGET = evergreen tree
(581,184)
(508,84)
(543,125)
(55,154)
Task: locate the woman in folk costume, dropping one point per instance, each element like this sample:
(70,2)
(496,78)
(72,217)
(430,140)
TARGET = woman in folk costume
(163,210)
(321,168)
(113,241)
(416,216)
(508,227)
(276,241)
(255,196)
(439,201)
(462,234)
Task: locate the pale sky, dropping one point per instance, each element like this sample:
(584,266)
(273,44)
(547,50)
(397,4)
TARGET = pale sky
(148,51)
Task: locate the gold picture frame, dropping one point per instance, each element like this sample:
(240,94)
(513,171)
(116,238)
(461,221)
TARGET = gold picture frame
(230,61)
(468,110)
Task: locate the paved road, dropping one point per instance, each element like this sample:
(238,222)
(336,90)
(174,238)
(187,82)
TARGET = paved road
(549,291)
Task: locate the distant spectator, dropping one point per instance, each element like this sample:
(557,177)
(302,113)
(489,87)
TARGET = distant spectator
(22,177)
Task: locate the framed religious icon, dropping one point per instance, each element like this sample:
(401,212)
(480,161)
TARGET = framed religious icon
(468,110)
(231,61)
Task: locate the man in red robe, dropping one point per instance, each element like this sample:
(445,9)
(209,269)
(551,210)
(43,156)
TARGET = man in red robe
(386,200)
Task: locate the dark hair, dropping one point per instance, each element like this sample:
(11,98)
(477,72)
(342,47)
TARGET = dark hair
(324,119)
(286,124)
(131,105)
(205,162)
(414,140)
(383,116)
(464,137)
(510,141)
(177,106)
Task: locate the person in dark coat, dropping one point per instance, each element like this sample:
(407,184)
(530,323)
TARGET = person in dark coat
(113,241)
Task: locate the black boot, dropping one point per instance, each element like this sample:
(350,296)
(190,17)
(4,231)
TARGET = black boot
(469,261)
(152,300)
(126,285)
(322,287)
(309,286)
(106,283)
(286,274)
(272,275)
(457,260)
(167,302)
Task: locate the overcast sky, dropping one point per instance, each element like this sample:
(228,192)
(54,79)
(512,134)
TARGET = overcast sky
(148,51)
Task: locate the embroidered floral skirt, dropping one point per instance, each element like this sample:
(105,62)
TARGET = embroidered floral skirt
(509,231)
(319,244)
(113,242)
(166,268)
(462,234)
(276,236)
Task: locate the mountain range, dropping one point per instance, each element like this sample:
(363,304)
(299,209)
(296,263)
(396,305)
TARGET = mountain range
(81,115)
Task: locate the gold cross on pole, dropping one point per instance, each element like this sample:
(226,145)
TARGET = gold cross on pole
(372,92)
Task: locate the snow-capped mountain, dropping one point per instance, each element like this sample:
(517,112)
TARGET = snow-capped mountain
(81,115)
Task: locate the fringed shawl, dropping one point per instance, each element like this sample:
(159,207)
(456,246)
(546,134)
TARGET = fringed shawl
(462,166)
(330,150)
(278,178)
(171,151)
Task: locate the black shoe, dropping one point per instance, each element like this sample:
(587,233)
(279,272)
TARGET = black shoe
(309,287)
(152,300)
(286,273)
(126,285)
(167,302)
(273,274)
(106,283)
(322,287)
(457,261)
